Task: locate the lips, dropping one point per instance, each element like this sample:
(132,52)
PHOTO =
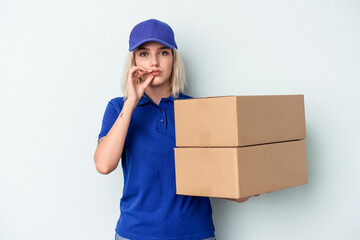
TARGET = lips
(156,72)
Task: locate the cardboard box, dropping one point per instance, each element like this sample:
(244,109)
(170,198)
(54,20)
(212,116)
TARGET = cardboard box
(239,120)
(241,171)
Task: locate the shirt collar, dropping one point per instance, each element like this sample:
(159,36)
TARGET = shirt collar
(145,99)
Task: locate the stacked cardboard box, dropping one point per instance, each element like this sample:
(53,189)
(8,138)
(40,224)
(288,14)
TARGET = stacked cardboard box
(239,146)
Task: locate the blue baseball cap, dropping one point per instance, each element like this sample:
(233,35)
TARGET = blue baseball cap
(151,30)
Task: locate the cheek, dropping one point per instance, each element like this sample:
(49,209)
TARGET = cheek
(169,66)
(139,62)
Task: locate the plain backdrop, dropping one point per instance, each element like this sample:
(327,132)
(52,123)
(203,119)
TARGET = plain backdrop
(61,62)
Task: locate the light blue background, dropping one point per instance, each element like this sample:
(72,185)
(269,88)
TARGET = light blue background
(61,61)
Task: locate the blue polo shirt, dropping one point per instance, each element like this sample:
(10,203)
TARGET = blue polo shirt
(149,207)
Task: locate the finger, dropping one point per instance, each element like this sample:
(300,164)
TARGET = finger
(142,80)
(138,78)
(142,77)
(148,80)
(146,73)
(141,69)
(137,71)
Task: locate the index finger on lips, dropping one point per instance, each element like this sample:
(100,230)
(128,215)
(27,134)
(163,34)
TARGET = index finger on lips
(136,69)
(145,70)
(140,71)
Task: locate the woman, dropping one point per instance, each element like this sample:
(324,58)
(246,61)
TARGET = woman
(139,128)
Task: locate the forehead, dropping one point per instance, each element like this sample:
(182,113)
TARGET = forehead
(152,44)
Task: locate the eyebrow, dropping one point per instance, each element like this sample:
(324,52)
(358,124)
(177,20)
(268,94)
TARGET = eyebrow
(143,48)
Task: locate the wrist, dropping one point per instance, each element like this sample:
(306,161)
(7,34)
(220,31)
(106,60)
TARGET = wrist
(130,103)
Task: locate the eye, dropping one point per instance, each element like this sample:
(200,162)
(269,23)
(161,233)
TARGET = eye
(143,54)
(164,53)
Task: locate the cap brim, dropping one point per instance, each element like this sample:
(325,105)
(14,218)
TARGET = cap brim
(172,46)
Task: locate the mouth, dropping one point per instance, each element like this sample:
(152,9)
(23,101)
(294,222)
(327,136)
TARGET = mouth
(156,72)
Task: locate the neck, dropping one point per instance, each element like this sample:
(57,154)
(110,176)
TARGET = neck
(157,93)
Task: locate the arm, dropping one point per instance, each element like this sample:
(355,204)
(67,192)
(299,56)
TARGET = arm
(109,149)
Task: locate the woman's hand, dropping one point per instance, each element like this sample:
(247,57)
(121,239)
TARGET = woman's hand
(241,200)
(138,80)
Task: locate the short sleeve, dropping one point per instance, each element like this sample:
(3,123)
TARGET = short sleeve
(111,113)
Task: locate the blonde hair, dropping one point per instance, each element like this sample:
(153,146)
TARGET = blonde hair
(177,77)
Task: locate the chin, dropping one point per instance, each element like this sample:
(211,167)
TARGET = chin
(158,82)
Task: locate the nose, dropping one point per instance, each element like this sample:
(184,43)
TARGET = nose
(154,62)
